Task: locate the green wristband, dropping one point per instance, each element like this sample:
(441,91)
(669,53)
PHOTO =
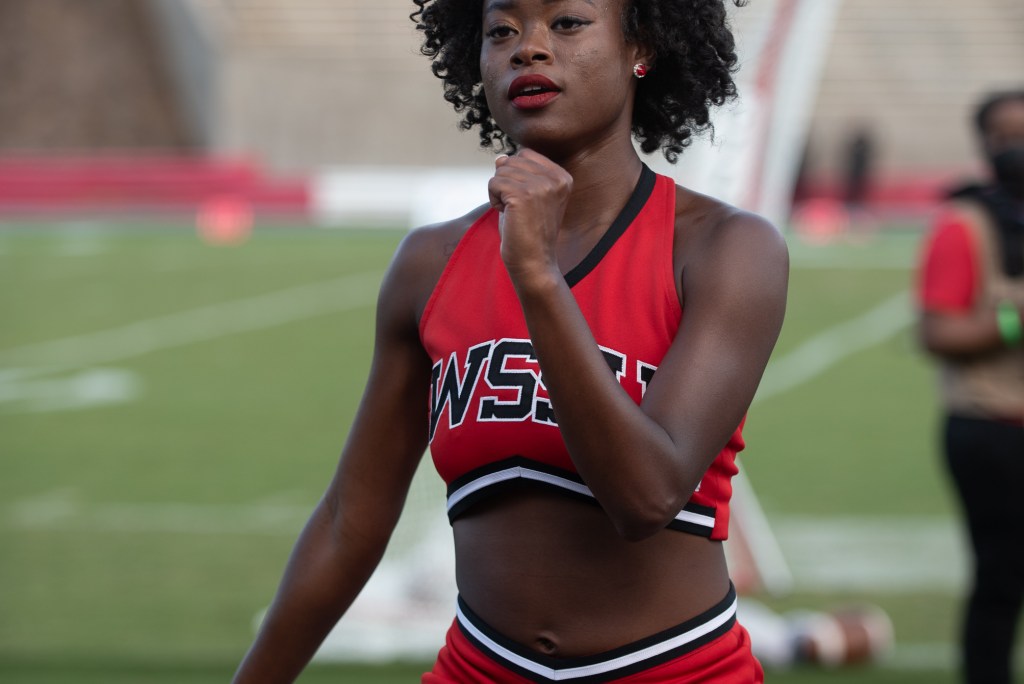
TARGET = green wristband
(1011,328)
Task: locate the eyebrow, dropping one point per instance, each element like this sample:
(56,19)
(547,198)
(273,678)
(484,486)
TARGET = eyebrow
(506,5)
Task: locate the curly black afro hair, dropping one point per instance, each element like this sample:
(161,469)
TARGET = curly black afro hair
(695,57)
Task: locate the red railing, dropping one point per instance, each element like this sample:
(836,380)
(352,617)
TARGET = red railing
(123,183)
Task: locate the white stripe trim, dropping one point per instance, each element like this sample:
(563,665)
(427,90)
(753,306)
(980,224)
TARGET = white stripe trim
(597,668)
(513,473)
(696,519)
(565,483)
(519,472)
(480,483)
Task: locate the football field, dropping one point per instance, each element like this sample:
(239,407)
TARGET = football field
(170,412)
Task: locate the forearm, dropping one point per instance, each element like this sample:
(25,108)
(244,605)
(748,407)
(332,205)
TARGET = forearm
(643,462)
(327,569)
(955,335)
(631,464)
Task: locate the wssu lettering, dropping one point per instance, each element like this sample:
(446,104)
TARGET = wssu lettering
(513,387)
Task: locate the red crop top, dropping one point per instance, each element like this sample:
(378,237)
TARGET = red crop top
(491,422)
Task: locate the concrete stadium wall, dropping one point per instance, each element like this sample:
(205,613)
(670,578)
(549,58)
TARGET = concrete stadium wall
(307,83)
(303,84)
(83,76)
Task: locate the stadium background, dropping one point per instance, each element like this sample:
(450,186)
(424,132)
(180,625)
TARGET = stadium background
(171,404)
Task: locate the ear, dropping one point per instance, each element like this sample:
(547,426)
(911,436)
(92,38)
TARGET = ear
(643,55)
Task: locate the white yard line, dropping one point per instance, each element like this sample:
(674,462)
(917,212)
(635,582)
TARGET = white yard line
(199,325)
(937,656)
(894,263)
(807,361)
(824,554)
(63,510)
(891,254)
(895,554)
(210,322)
(885,554)
(879,554)
(828,348)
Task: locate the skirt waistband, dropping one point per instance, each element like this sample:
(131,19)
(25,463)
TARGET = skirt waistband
(620,662)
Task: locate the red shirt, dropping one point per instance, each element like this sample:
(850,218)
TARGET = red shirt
(491,421)
(949,271)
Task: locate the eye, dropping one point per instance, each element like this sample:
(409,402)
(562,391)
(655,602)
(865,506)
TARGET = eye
(568,23)
(500,31)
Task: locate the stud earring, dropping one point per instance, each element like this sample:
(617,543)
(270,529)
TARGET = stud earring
(639,70)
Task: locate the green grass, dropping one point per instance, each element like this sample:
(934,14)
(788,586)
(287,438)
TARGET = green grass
(259,416)
(157,672)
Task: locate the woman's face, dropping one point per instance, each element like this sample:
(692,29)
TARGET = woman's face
(557,74)
(1005,126)
(1004,144)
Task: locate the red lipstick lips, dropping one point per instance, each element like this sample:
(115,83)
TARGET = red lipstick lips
(532,91)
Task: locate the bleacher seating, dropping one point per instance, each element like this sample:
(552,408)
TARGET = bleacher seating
(298,85)
(909,72)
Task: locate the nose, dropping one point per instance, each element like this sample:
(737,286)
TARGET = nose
(533,47)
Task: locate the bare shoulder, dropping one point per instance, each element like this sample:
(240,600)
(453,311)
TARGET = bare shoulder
(438,240)
(722,247)
(422,256)
(709,230)
(705,226)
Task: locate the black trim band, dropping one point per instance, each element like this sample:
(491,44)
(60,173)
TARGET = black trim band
(485,481)
(641,193)
(638,656)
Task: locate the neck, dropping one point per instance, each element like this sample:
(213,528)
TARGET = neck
(604,177)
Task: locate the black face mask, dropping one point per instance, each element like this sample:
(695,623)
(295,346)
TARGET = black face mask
(1008,166)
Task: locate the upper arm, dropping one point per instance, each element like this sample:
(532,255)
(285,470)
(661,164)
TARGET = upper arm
(389,432)
(947,277)
(734,279)
(951,324)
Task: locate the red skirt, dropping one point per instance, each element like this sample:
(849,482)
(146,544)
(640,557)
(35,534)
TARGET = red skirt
(710,648)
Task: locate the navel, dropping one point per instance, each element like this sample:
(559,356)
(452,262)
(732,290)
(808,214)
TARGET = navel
(546,644)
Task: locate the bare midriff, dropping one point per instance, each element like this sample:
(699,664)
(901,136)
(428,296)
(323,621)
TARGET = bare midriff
(551,573)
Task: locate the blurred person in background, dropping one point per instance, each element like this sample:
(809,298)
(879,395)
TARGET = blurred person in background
(588,547)
(971,299)
(859,159)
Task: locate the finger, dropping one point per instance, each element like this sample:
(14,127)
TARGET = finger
(532,164)
(510,189)
(495,193)
(524,170)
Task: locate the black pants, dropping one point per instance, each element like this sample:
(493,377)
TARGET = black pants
(986,460)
